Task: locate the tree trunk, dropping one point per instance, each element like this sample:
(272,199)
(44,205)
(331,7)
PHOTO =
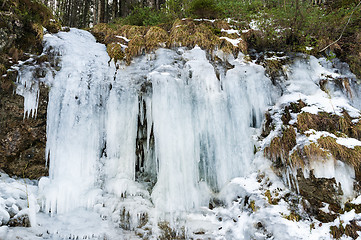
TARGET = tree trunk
(95,16)
(85,21)
(106,11)
(115,9)
(101,11)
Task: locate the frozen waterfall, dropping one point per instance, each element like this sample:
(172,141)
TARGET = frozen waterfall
(167,132)
(170,147)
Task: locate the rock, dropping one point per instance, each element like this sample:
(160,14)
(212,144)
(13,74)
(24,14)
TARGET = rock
(22,141)
(318,191)
(20,220)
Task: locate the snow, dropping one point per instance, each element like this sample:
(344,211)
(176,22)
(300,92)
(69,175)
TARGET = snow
(234,42)
(357,200)
(342,172)
(348,142)
(230,31)
(15,197)
(254,25)
(122,37)
(311,109)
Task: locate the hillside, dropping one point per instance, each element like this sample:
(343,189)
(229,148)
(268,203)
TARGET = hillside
(222,120)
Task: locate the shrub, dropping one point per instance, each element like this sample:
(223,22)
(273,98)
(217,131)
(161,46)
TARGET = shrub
(204,9)
(145,16)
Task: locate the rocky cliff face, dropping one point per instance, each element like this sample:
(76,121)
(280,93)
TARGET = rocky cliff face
(22,140)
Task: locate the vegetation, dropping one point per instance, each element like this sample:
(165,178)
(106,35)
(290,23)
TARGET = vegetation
(21,26)
(282,149)
(294,25)
(351,230)
(185,32)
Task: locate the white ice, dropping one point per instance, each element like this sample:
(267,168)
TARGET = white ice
(159,140)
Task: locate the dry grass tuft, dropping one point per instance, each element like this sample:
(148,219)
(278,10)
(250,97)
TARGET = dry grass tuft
(181,32)
(112,38)
(340,152)
(102,27)
(131,32)
(136,47)
(185,33)
(329,122)
(115,52)
(279,149)
(323,121)
(227,47)
(221,24)
(155,37)
(204,38)
(243,46)
(303,156)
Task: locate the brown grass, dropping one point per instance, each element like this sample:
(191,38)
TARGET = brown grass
(303,156)
(102,27)
(329,122)
(131,32)
(323,121)
(115,52)
(155,37)
(279,149)
(181,32)
(220,24)
(136,47)
(340,152)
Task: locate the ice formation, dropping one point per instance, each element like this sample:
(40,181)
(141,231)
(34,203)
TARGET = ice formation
(166,120)
(156,141)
